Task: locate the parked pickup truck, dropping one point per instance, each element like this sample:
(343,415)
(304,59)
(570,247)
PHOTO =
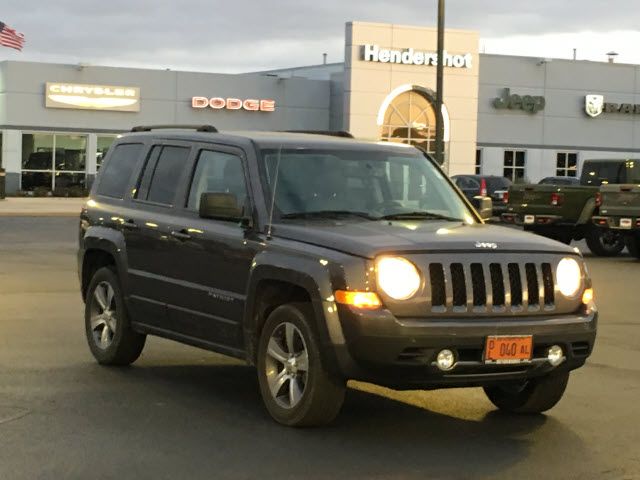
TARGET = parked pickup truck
(564,212)
(620,210)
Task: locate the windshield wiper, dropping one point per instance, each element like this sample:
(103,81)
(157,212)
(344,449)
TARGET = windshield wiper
(419,215)
(328,214)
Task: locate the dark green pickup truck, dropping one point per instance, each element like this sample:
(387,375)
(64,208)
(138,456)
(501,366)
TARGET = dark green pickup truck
(620,210)
(564,212)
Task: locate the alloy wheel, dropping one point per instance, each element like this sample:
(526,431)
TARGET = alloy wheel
(103,315)
(287,365)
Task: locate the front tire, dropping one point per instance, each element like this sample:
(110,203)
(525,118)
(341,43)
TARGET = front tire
(604,242)
(532,396)
(109,334)
(296,386)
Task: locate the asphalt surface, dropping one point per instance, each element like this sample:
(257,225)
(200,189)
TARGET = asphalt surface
(180,412)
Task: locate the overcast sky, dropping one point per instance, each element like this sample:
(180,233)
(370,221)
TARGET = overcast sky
(246,35)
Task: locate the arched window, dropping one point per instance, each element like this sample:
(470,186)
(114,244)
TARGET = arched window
(410,118)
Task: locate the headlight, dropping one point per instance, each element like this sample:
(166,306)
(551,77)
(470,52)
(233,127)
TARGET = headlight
(398,277)
(569,277)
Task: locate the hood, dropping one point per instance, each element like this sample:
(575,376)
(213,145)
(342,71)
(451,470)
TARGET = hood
(371,238)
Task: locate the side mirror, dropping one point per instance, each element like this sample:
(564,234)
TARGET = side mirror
(221,206)
(485,207)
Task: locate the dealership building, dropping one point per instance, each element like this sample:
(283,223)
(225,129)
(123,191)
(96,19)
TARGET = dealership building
(521,117)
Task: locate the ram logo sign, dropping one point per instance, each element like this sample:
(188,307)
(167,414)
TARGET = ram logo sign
(593,105)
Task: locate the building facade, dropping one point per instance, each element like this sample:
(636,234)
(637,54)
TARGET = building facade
(521,117)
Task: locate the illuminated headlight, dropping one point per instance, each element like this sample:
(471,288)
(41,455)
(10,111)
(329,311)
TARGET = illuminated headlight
(568,277)
(397,277)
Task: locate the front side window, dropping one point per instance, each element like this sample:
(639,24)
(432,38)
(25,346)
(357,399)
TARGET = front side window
(566,164)
(161,175)
(115,176)
(514,165)
(217,172)
(367,183)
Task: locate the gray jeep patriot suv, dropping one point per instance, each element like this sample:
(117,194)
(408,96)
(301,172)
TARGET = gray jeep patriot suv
(320,259)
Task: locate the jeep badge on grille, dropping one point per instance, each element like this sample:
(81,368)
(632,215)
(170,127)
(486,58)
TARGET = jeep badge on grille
(490,245)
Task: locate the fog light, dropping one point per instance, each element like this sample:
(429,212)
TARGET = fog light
(445,360)
(555,355)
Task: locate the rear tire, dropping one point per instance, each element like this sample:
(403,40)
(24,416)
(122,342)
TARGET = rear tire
(111,339)
(604,242)
(633,245)
(296,386)
(532,396)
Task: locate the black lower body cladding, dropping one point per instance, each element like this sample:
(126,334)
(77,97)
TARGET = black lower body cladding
(401,353)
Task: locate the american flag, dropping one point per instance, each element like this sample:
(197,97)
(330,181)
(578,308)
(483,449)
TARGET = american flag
(10,38)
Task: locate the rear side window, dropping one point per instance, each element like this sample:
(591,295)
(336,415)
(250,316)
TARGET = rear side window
(161,175)
(115,175)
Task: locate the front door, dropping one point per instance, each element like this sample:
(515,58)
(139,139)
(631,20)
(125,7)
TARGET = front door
(213,256)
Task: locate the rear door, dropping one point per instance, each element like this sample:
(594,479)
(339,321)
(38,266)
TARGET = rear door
(213,257)
(147,226)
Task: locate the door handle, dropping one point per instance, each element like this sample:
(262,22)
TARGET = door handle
(130,224)
(181,235)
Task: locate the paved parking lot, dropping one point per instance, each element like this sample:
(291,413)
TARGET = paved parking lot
(180,412)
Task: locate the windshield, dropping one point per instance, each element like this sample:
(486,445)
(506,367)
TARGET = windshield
(365,184)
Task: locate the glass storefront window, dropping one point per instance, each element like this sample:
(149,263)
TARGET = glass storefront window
(411,119)
(71,152)
(53,162)
(103,146)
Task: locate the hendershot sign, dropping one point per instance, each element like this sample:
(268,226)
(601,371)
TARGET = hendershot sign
(593,105)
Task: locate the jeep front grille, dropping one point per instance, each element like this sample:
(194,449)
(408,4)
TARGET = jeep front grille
(494,287)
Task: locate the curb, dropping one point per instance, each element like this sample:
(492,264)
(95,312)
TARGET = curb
(39,214)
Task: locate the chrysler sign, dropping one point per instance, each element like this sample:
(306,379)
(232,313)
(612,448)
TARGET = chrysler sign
(409,56)
(92,97)
(219,103)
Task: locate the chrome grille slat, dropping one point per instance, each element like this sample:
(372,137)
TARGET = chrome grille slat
(453,289)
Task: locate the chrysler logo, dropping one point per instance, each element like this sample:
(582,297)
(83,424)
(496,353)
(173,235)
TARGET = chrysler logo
(489,245)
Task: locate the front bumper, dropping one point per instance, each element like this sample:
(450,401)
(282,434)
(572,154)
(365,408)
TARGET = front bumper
(622,223)
(400,353)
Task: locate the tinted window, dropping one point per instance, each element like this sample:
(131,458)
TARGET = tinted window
(602,172)
(497,183)
(633,171)
(115,175)
(166,174)
(217,172)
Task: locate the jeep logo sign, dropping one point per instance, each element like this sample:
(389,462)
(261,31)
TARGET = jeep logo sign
(528,103)
(219,103)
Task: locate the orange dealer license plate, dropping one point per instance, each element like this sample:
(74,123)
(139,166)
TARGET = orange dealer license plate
(508,349)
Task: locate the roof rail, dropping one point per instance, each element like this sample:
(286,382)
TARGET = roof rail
(332,133)
(197,128)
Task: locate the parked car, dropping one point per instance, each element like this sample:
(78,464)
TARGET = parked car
(491,186)
(620,209)
(321,259)
(563,212)
(559,181)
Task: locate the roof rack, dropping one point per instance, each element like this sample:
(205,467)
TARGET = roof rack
(197,128)
(332,133)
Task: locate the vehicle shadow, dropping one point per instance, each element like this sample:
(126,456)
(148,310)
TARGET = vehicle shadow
(374,436)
